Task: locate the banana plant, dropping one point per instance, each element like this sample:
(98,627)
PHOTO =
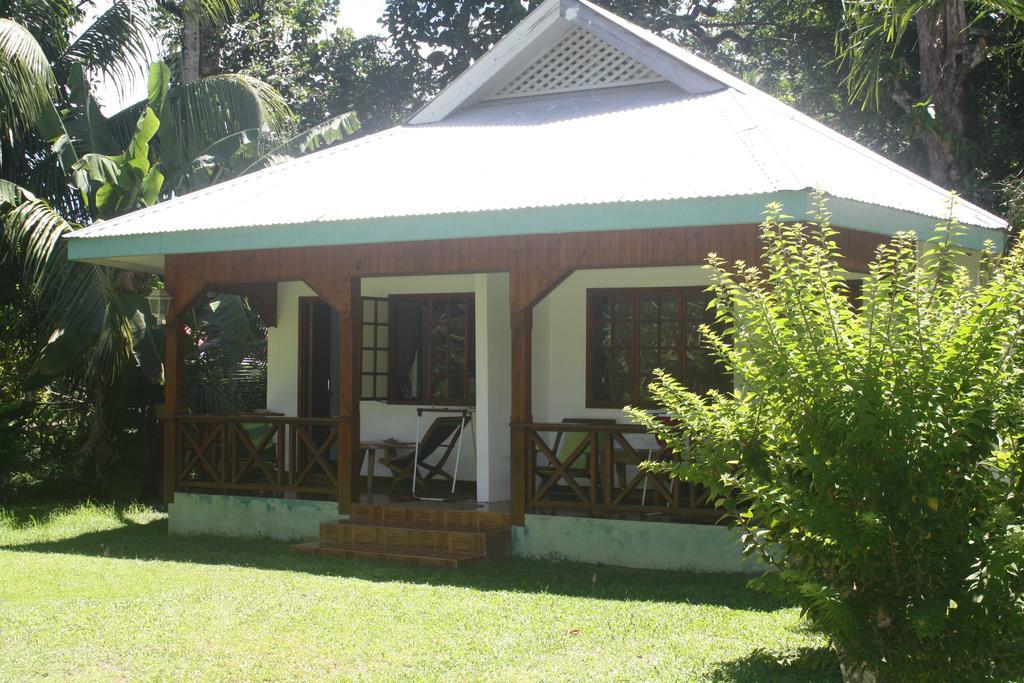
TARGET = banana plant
(119,183)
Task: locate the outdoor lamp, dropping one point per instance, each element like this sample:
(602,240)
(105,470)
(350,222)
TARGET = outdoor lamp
(159,303)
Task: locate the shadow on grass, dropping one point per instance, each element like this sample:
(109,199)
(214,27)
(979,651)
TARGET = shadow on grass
(150,541)
(807,664)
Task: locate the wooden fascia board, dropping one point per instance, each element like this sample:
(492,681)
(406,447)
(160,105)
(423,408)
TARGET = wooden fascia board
(683,213)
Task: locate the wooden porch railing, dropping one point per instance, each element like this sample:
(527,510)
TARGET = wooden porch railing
(593,469)
(256,454)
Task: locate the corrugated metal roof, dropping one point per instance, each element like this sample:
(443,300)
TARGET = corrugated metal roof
(630,144)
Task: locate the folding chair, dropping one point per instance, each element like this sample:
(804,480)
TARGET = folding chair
(442,438)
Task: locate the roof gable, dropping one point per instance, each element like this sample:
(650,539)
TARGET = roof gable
(563,46)
(578,61)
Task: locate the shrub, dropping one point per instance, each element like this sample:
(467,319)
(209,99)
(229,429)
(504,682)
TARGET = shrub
(871,452)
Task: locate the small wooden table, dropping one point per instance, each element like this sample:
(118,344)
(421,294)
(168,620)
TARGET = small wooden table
(370,448)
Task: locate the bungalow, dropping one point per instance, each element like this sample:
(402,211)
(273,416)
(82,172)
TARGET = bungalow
(459,307)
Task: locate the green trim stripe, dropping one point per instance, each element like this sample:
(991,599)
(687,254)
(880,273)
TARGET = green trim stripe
(543,220)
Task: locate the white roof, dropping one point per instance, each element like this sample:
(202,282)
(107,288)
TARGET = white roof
(680,129)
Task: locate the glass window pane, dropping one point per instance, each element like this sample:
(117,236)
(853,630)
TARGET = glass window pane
(622,390)
(669,307)
(600,388)
(439,333)
(649,360)
(621,363)
(693,335)
(438,358)
(456,388)
(456,364)
(649,307)
(382,336)
(368,386)
(368,357)
(648,334)
(696,307)
(382,386)
(368,336)
(622,335)
(669,334)
(600,307)
(407,383)
(439,388)
(382,361)
(458,309)
(622,305)
(369,311)
(601,334)
(645,391)
(696,362)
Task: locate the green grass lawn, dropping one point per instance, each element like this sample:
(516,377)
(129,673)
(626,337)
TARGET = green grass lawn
(102,593)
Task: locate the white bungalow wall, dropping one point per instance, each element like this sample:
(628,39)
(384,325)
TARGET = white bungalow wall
(560,342)
(379,420)
(283,350)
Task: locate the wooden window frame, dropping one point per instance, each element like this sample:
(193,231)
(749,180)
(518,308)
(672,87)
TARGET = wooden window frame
(373,370)
(635,292)
(427,354)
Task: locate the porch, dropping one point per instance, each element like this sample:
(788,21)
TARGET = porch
(295,458)
(532,328)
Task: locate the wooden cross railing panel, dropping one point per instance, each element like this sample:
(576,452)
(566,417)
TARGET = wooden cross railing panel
(256,454)
(594,469)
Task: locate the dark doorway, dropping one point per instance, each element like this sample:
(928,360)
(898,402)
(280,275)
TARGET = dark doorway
(318,361)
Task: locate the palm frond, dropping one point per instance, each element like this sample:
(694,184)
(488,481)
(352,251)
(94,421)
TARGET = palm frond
(207,111)
(227,103)
(226,372)
(215,12)
(46,20)
(313,138)
(114,44)
(87,329)
(27,83)
(872,33)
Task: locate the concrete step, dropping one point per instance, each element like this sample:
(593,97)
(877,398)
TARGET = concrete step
(421,556)
(426,535)
(494,543)
(413,516)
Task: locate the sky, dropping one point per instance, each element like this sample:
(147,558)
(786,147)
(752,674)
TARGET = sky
(359,15)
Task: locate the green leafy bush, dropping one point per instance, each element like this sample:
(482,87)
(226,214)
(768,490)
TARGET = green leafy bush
(871,450)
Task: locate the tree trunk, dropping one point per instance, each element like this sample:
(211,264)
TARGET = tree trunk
(857,674)
(948,53)
(191,45)
(200,44)
(97,442)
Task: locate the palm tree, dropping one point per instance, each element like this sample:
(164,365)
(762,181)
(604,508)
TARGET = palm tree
(952,40)
(58,149)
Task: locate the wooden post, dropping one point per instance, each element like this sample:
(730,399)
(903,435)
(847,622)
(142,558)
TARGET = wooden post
(522,404)
(174,400)
(350,318)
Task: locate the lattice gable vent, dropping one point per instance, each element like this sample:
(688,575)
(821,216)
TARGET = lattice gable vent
(579,61)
